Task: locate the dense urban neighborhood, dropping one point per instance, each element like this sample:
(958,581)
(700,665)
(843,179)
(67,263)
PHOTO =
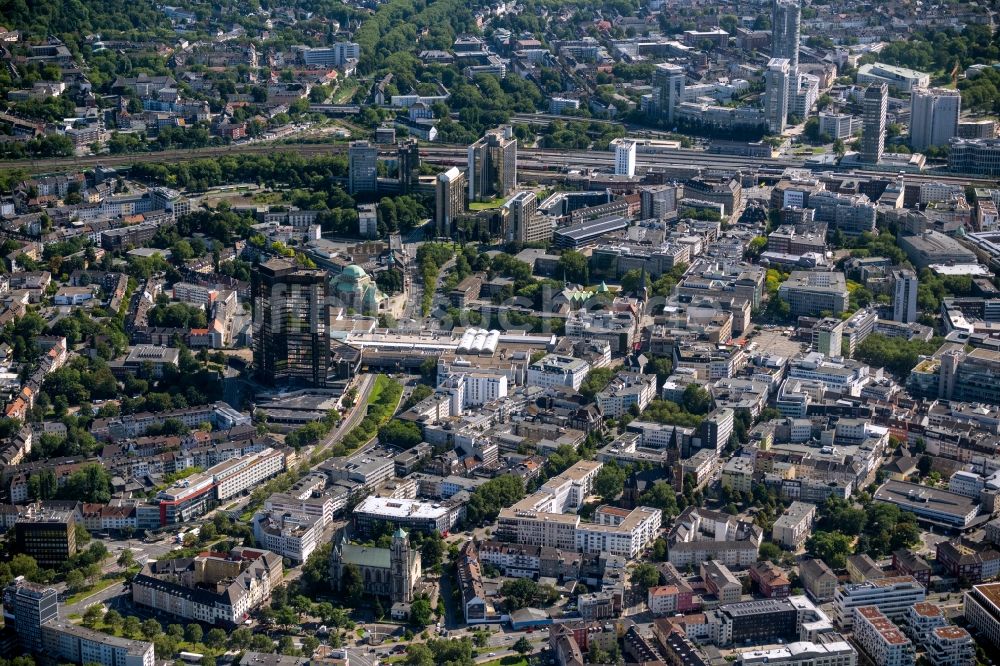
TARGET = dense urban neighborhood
(517,333)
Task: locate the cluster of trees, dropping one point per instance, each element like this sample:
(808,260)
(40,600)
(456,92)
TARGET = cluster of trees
(524,592)
(597,380)
(274,170)
(879,528)
(645,576)
(982,92)
(495,494)
(90,483)
(482,104)
(430,258)
(403,434)
(440,652)
(661,495)
(665,411)
(50,145)
(579,135)
(610,480)
(942,50)
(312,432)
(399,213)
(177,637)
(882,244)
(897,355)
(177,315)
(387,393)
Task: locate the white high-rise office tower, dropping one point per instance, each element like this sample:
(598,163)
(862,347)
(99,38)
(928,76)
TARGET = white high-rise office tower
(933,117)
(624,156)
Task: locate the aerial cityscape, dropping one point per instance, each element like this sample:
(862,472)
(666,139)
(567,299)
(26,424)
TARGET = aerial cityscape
(499,333)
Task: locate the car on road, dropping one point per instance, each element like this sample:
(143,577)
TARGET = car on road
(492,654)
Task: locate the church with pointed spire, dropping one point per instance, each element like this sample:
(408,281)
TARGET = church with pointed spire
(387,572)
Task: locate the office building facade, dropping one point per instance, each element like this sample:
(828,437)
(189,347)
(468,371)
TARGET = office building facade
(524,223)
(786,22)
(668,89)
(291,317)
(624,156)
(492,165)
(449,200)
(934,116)
(904,300)
(777,79)
(876,103)
(362,168)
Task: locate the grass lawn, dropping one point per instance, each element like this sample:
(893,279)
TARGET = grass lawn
(507,661)
(376,393)
(484,205)
(345,92)
(102,584)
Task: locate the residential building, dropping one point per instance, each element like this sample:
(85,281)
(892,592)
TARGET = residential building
(770,579)
(700,534)
(794,526)
(949,646)
(907,562)
(68,642)
(818,579)
(934,116)
(720,581)
(881,640)
(213,589)
(32,611)
(670,599)
(538,520)
(627,389)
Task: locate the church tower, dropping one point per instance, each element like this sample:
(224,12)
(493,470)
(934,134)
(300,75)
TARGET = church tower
(399,556)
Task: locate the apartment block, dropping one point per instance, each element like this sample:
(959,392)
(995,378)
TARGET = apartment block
(881,640)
